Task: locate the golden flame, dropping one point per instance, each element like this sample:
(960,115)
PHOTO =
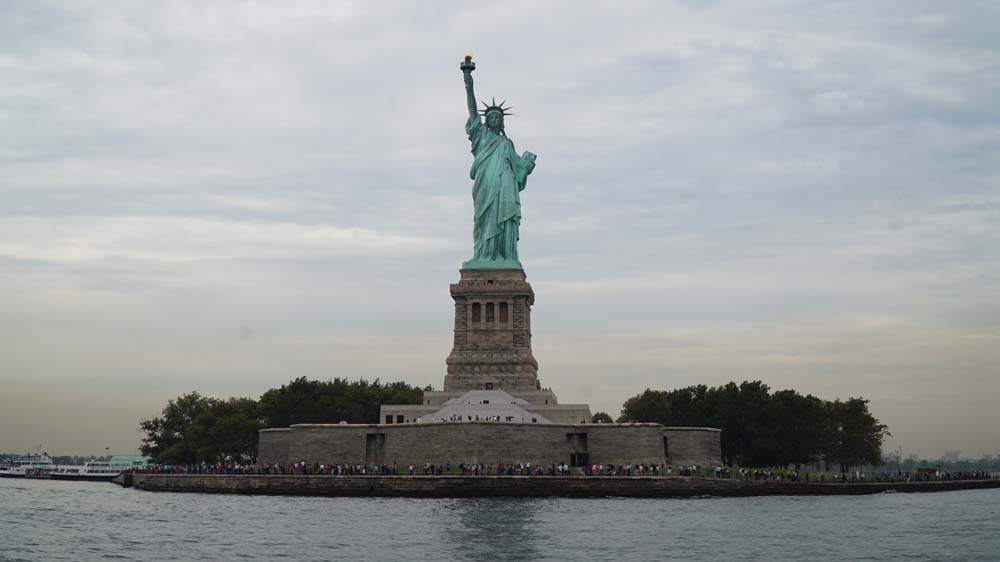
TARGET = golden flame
(468,57)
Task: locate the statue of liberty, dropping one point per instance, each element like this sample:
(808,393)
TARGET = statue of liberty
(499,174)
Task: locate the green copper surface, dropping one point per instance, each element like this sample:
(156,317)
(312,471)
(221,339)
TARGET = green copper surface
(499,175)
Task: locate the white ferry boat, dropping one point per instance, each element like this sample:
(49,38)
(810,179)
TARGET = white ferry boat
(99,471)
(35,465)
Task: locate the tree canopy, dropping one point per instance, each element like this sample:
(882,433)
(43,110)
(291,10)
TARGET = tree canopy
(312,401)
(193,428)
(601,417)
(761,428)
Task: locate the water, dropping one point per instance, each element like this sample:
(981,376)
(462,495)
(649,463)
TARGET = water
(51,520)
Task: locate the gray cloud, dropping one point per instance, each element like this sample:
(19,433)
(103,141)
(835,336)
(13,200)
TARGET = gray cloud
(804,193)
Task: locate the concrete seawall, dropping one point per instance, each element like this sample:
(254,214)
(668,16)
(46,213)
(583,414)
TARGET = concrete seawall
(517,486)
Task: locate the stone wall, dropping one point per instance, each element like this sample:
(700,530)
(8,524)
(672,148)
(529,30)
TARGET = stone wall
(489,443)
(686,446)
(518,486)
(562,413)
(273,443)
(342,443)
(410,412)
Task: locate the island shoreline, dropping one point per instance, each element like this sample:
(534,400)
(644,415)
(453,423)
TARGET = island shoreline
(457,486)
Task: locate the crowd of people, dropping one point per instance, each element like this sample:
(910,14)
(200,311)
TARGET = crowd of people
(920,476)
(461,418)
(561,469)
(477,417)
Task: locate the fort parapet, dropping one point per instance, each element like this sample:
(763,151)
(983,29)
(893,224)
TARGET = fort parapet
(490,443)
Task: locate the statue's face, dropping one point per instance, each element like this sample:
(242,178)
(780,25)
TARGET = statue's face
(494,119)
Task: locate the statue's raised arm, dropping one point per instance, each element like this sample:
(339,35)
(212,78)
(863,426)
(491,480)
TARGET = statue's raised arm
(467,67)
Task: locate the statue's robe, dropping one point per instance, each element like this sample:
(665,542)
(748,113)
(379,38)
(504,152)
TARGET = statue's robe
(499,174)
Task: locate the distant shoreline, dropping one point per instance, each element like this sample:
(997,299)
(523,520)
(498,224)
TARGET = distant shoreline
(521,486)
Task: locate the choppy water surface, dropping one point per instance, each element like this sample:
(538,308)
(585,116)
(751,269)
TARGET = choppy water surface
(49,520)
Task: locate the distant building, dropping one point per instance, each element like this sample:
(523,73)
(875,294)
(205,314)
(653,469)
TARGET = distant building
(951,456)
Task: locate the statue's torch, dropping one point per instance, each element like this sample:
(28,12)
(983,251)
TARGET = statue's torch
(467,65)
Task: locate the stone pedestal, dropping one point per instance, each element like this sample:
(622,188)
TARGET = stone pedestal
(492,348)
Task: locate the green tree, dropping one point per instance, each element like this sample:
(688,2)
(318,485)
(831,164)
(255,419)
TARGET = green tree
(310,401)
(795,429)
(225,429)
(601,417)
(194,429)
(652,406)
(688,406)
(761,428)
(741,411)
(856,436)
(164,439)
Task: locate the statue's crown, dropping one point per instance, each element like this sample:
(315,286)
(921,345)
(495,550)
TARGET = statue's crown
(495,107)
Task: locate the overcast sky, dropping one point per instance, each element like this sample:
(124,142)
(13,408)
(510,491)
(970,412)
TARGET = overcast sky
(224,196)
